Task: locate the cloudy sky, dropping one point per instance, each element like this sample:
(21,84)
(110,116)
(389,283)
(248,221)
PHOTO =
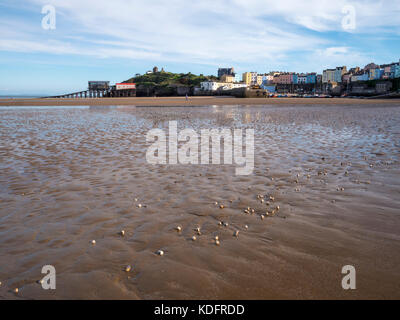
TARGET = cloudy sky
(115,39)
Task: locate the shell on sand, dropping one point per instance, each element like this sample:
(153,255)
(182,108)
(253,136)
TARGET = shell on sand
(93,242)
(128,268)
(160,252)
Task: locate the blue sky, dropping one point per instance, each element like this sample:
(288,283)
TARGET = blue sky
(114,40)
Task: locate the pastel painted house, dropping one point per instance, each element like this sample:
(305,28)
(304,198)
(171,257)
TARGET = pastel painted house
(311,78)
(375,74)
(395,70)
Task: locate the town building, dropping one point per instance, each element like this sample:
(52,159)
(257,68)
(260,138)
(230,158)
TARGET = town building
(217,85)
(253,78)
(302,78)
(250,78)
(360,76)
(328,75)
(246,78)
(339,72)
(226,71)
(311,78)
(395,70)
(227,78)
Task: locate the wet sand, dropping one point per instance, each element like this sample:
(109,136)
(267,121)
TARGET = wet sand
(193,101)
(71,175)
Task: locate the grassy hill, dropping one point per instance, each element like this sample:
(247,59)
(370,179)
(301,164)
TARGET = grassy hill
(169,79)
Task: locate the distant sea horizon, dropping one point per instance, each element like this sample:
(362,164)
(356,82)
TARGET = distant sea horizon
(21,96)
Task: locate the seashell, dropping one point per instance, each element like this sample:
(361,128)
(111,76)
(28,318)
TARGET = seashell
(262,200)
(16,290)
(136,199)
(216,203)
(160,252)
(267,214)
(262,217)
(277,208)
(268,203)
(179,228)
(128,268)
(217,242)
(122,233)
(236,233)
(93,242)
(216,238)
(252,211)
(194,238)
(272,198)
(0,283)
(220,223)
(226,224)
(246,227)
(221,206)
(197,229)
(139,205)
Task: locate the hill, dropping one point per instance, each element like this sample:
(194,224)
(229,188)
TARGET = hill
(169,79)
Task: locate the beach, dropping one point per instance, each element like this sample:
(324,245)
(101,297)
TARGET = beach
(326,170)
(193,101)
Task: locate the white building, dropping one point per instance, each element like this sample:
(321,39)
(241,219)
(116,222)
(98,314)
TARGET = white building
(214,85)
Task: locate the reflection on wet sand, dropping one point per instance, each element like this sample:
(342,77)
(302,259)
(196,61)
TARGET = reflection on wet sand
(76,192)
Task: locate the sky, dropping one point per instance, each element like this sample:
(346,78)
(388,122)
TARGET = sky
(115,39)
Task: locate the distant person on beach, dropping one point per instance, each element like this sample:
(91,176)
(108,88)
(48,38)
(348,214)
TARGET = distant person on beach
(187,97)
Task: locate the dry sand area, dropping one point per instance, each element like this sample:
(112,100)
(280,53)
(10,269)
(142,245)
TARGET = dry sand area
(193,101)
(70,175)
